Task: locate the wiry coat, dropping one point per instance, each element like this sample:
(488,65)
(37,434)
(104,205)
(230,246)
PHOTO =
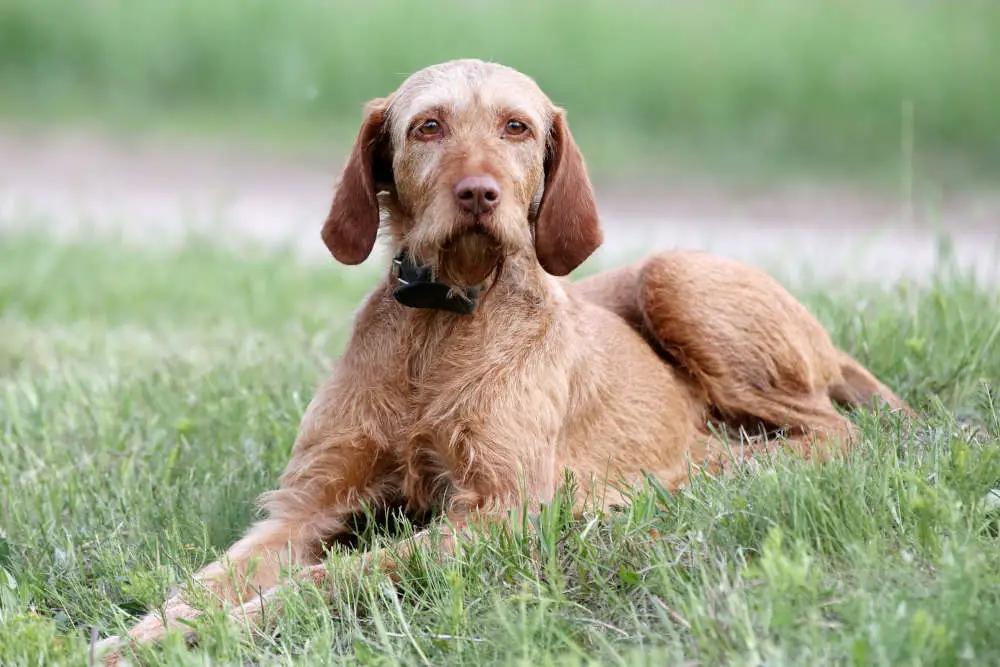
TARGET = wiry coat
(637,370)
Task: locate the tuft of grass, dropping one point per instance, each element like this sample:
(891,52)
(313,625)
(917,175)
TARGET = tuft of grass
(147,397)
(847,87)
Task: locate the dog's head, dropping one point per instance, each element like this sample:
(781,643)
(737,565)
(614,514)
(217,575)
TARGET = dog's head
(472,163)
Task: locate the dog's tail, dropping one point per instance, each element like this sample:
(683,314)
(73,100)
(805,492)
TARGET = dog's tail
(859,388)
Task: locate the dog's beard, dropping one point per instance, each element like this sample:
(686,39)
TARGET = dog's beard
(469,258)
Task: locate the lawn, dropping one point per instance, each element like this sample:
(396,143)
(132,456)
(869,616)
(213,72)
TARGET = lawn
(752,88)
(148,395)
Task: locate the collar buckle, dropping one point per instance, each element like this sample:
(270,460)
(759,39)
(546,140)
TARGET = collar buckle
(417,288)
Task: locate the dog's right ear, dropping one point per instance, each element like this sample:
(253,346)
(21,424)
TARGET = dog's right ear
(352,225)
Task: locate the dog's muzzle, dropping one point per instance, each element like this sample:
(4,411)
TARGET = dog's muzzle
(417,287)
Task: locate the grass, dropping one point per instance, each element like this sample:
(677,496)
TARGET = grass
(147,396)
(854,88)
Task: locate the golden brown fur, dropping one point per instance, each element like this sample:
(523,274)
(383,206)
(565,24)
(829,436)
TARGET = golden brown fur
(632,371)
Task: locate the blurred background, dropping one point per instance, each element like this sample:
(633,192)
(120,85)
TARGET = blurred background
(845,134)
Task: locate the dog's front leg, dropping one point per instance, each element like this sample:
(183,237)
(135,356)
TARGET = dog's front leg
(490,484)
(249,565)
(315,503)
(385,560)
(343,458)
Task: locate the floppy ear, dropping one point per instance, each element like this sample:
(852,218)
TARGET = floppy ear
(567,229)
(352,225)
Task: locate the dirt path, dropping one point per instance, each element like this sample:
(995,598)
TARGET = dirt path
(70,182)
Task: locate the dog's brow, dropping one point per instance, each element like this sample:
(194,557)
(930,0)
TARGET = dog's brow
(436,111)
(512,110)
(441,96)
(516,101)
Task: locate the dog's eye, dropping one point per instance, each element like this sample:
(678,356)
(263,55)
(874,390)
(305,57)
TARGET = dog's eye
(429,128)
(515,128)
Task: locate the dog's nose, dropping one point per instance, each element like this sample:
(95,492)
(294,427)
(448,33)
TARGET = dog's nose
(478,194)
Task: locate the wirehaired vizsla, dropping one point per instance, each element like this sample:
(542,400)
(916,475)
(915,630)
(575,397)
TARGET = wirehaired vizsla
(476,374)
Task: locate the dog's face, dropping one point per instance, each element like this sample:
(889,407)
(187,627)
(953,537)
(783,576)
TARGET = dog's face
(475,164)
(468,152)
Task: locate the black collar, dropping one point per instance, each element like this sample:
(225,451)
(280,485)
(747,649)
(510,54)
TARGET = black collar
(417,288)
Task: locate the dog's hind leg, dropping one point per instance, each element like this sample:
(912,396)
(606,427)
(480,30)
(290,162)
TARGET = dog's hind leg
(760,356)
(687,301)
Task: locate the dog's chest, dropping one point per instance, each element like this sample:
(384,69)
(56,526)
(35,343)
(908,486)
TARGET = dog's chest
(445,362)
(458,375)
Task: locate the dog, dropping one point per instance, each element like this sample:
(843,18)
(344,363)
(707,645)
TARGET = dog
(477,373)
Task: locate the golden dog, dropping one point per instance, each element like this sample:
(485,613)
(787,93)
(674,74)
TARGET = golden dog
(475,374)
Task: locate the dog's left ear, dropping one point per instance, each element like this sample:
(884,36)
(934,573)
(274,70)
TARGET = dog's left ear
(352,225)
(567,230)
